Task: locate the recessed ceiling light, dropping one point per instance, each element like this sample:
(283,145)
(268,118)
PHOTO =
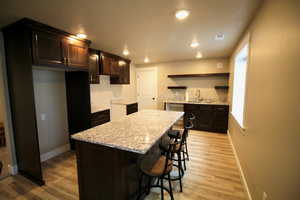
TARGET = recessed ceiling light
(146,60)
(81,35)
(194,44)
(182,14)
(199,55)
(220,36)
(126,52)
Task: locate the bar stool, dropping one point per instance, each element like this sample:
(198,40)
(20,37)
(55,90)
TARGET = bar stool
(160,169)
(177,134)
(178,150)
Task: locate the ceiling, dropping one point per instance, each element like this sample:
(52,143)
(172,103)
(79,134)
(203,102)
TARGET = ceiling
(145,27)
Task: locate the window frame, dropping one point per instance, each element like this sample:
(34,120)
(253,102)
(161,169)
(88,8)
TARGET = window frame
(246,42)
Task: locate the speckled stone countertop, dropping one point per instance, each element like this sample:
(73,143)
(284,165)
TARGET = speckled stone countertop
(137,132)
(194,102)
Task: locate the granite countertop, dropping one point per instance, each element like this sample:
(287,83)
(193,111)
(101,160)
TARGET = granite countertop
(195,102)
(123,101)
(137,132)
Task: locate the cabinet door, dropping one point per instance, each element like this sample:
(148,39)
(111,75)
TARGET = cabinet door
(94,66)
(115,67)
(77,53)
(124,74)
(105,64)
(220,122)
(204,117)
(47,49)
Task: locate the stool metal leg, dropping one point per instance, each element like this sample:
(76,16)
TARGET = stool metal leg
(170,186)
(162,188)
(186,150)
(184,160)
(179,170)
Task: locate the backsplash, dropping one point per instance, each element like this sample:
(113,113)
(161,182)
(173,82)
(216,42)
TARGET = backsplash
(193,94)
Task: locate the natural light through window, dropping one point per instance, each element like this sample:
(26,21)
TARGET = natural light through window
(239,85)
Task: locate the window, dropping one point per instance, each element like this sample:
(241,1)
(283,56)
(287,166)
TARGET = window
(239,84)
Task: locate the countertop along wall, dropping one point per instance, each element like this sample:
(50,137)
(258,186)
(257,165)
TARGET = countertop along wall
(103,93)
(206,84)
(268,149)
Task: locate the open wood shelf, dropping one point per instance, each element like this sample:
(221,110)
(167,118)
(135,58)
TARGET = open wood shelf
(198,75)
(222,87)
(177,87)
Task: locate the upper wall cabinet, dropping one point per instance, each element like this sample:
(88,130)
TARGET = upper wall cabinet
(94,66)
(116,67)
(48,49)
(76,53)
(109,64)
(56,50)
(124,73)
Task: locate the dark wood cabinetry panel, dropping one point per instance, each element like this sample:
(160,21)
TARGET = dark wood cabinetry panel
(78,99)
(94,66)
(28,43)
(20,83)
(105,63)
(220,122)
(100,117)
(47,49)
(212,118)
(124,73)
(131,108)
(77,53)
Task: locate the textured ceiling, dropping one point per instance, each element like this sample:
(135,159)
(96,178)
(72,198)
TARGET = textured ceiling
(146,27)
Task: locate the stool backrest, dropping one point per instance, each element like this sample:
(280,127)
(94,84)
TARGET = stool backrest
(171,147)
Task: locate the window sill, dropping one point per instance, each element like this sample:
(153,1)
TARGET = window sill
(242,127)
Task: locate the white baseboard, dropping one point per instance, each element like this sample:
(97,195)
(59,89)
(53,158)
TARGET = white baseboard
(13,169)
(240,167)
(55,152)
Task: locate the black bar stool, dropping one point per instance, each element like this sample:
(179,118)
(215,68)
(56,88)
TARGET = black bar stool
(160,169)
(177,134)
(178,150)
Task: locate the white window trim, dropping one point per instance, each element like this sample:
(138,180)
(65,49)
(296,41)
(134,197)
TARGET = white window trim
(246,41)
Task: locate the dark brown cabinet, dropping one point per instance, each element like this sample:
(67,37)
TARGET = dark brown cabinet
(94,66)
(57,50)
(124,73)
(29,43)
(100,117)
(107,64)
(212,118)
(47,49)
(116,67)
(131,108)
(76,53)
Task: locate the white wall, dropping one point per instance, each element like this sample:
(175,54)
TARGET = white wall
(103,93)
(50,99)
(206,84)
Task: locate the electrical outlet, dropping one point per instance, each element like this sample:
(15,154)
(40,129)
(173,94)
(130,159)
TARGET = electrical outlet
(220,65)
(43,116)
(265,196)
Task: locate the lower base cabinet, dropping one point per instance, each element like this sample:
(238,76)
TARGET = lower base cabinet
(212,118)
(100,117)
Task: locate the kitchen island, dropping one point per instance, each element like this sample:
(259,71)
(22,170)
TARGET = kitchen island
(108,155)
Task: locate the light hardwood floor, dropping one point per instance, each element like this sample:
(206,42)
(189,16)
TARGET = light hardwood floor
(212,174)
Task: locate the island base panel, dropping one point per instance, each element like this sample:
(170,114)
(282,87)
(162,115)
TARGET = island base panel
(108,173)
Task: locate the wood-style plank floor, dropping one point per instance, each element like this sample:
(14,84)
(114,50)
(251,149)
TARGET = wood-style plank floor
(212,174)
